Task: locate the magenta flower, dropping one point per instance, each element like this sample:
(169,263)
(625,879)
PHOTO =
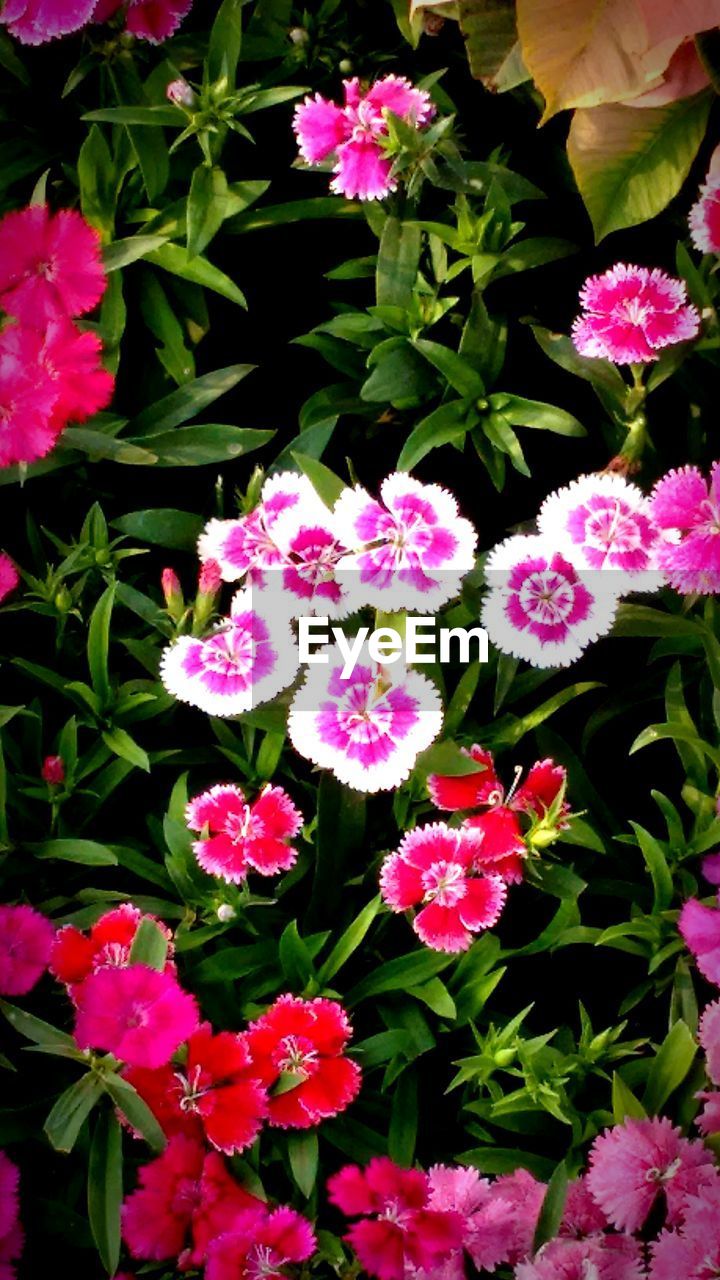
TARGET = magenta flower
(241,836)
(542,608)
(137,1013)
(368,731)
(631,313)
(72,359)
(9,576)
(438,866)
(50,264)
(700,927)
(634,1163)
(411,550)
(36,21)
(602,522)
(711,868)
(28,398)
(604,1257)
(353,134)
(261,1243)
(243,662)
(704,217)
(686,508)
(25,941)
(153,20)
(12,1235)
(710,1039)
(693,1251)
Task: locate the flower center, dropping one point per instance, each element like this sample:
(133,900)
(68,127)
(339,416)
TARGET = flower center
(261,1261)
(192,1089)
(296,1055)
(547,598)
(243,826)
(634,311)
(663,1175)
(445,883)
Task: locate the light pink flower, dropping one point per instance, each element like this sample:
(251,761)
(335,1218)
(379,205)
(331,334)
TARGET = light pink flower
(137,1013)
(704,217)
(153,20)
(693,1251)
(634,1163)
(542,608)
(409,551)
(25,941)
(700,927)
(29,395)
(630,313)
(50,265)
(246,660)
(710,1039)
(242,836)
(353,133)
(261,1243)
(604,1257)
(602,522)
(686,508)
(367,730)
(9,576)
(36,21)
(436,868)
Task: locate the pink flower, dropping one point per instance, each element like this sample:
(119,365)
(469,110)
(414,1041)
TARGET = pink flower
(186,1198)
(602,522)
(602,1257)
(74,954)
(710,1039)
(700,927)
(398,1229)
(53,771)
(692,1252)
(711,868)
(708,1120)
(261,1244)
(36,21)
(243,662)
(9,576)
(11,1233)
(29,396)
(631,313)
(247,545)
(704,217)
(354,133)
(368,730)
(502,1231)
(209,578)
(687,510)
(138,1014)
(72,359)
(304,1040)
(634,1163)
(542,608)
(153,20)
(241,836)
(582,1216)
(25,942)
(409,551)
(50,265)
(438,866)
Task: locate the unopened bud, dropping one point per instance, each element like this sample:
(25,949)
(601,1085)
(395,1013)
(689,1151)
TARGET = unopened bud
(298,35)
(210,578)
(63,600)
(345,67)
(180,93)
(172,591)
(53,770)
(225,913)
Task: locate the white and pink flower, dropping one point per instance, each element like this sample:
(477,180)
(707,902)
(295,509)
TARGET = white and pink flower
(247,660)
(409,551)
(366,729)
(238,837)
(629,314)
(542,608)
(602,522)
(246,546)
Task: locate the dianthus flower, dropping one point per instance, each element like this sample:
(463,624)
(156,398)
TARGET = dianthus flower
(74,954)
(243,662)
(634,1163)
(29,396)
(693,1251)
(542,608)
(9,576)
(72,360)
(398,1229)
(438,866)
(247,545)
(711,868)
(11,1233)
(138,1014)
(25,941)
(582,1215)
(37,21)
(217,1085)
(50,265)
(602,522)
(604,1257)
(186,1199)
(238,837)
(261,1243)
(630,313)
(367,729)
(353,133)
(503,848)
(710,1039)
(410,550)
(304,1041)
(686,508)
(704,217)
(153,20)
(700,928)
(708,1120)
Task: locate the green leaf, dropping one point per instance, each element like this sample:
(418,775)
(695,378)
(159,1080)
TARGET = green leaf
(72,1110)
(149,946)
(10,61)
(123,745)
(303,1151)
(278,215)
(402,1134)
(187,401)
(136,1112)
(533,413)
(121,253)
(461,375)
(295,958)
(447,758)
(175,259)
(98,644)
(35,1029)
(105,1188)
(624,1102)
(630,163)
(199,445)
(552,1208)
(225,43)
(139,115)
(96,178)
(326,484)
(163,526)
(656,863)
(397,975)
(349,941)
(398,261)
(676,733)
(670,1066)
(206,207)
(87,852)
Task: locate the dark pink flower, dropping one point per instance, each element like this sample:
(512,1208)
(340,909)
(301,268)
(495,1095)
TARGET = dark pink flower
(50,265)
(36,21)
(353,133)
(604,1257)
(700,927)
(11,1232)
(72,359)
(686,508)
(138,1014)
(53,771)
(438,869)
(710,1039)
(25,942)
(261,1244)
(9,576)
(693,1251)
(153,20)
(631,313)
(239,837)
(28,398)
(705,217)
(209,578)
(634,1163)
(398,1229)
(304,1040)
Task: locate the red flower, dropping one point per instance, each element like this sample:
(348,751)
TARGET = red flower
(304,1040)
(398,1230)
(217,1092)
(260,1244)
(25,942)
(50,265)
(75,955)
(138,1014)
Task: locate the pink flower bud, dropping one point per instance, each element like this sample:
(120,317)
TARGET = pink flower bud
(170,585)
(209,578)
(53,770)
(180,93)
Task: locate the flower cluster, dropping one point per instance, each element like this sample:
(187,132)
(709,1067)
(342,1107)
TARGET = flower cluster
(50,370)
(352,136)
(37,21)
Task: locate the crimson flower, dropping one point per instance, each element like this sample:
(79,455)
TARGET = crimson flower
(259,1246)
